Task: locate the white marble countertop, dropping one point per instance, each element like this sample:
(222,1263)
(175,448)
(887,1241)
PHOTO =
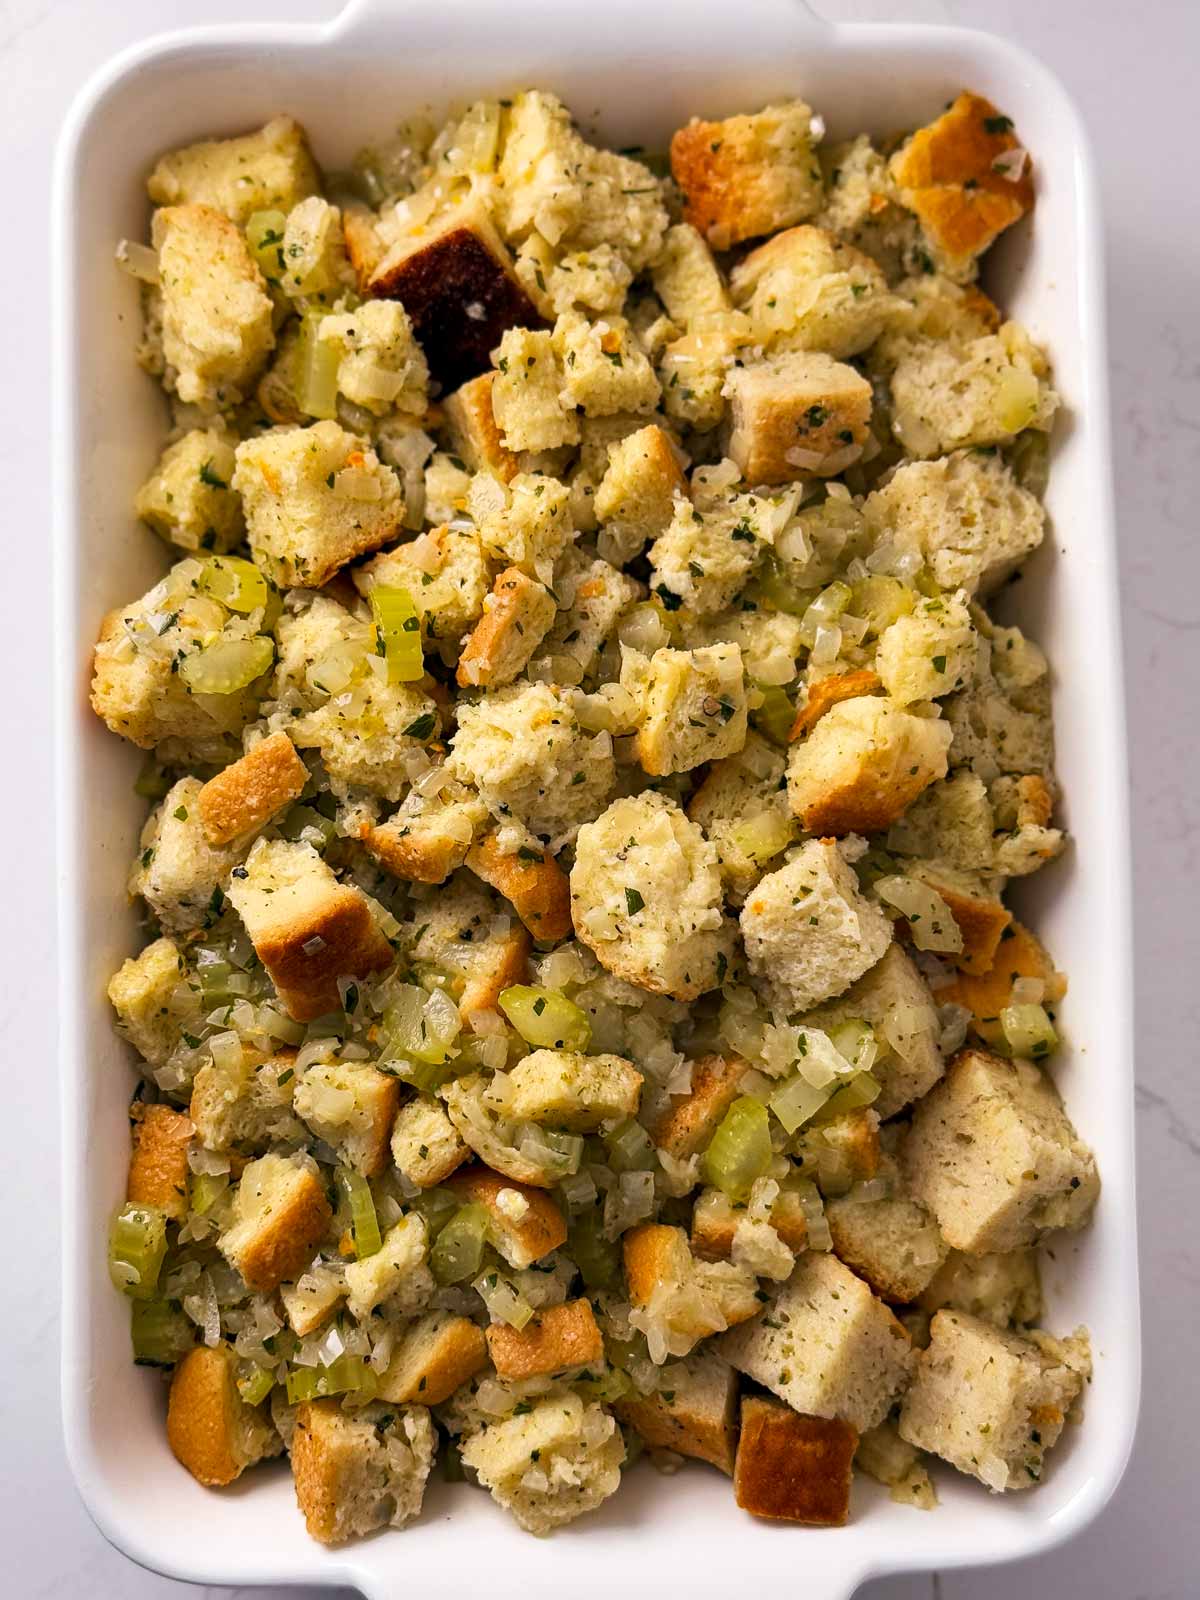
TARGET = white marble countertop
(1132,69)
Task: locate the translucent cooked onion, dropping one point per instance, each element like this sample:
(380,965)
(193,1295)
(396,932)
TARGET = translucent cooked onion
(818,1236)
(929,918)
(138,260)
(1028,991)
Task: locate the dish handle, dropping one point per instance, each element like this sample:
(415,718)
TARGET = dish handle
(373,17)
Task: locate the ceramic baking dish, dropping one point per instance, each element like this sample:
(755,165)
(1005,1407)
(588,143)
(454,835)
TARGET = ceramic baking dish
(632,70)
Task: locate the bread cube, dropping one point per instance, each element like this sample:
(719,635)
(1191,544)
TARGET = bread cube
(928,653)
(526,522)
(605,372)
(635,499)
(596,280)
(967,515)
(308,930)
(797,415)
(823,694)
(210,1428)
(522,1235)
(395,1275)
(743,810)
(863,764)
(271,169)
(313,260)
(435,1356)
(1003,1289)
(883,1455)
(177,871)
(693,369)
(158,1166)
(153,1000)
(686,278)
(807,290)
(301,528)
(703,559)
(188,500)
(991,1403)
(517,619)
(538,170)
(694,1413)
(1001,720)
(308,1302)
(863,208)
(550,1464)
(216,312)
(686,1123)
(446,573)
(249,792)
(841,1150)
(948,396)
(893,1244)
(808,931)
(527,400)
(430,835)
(280,1214)
(553,1341)
(381,367)
(953,820)
(562,1089)
(715,1221)
(425,1144)
(995,1158)
(454,277)
(367,732)
(458,936)
(646,897)
(356,1471)
(825,1345)
(792,1468)
(966,178)
(1020,954)
(533,883)
(474,431)
(748,175)
(246,1099)
(677,1299)
(352,1107)
(592,601)
(695,709)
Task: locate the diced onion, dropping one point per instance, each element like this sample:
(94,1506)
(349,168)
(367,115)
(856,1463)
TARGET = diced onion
(929,918)
(138,260)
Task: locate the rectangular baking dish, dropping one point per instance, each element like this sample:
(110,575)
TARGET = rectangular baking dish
(632,70)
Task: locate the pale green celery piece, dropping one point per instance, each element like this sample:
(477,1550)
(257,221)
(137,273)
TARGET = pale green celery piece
(304,822)
(348,1375)
(606,1385)
(419,1025)
(137,1243)
(207,1189)
(598,1258)
(256,1385)
(775,716)
(503,1302)
(855,1040)
(740,1150)
(316,368)
(235,582)
(1028,1031)
(458,1250)
(436,1205)
(778,590)
(880,600)
(227,665)
(630,1147)
(264,235)
(399,627)
(161,1332)
(546,1019)
(364,1224)
(854,1092)
(796,1101)
(762,837)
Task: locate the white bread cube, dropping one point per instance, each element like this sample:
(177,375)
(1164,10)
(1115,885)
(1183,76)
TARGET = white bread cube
(704,558)
(381,367)
(308,930)
(396,1275)
(995,1158)
(436,1355)
(863,208)
(553,1341)
(928,653)
(808,931)
(526,522)
(177,871)
(693,1413)
(153,1000)
(308,1302)
(250,791)
(314,262)
(748,175)
(946,396)
(356,1471)
(797,415)
(742,807)
(525,1223)
(646,897)
(1003,1289)
(158,1164)
(216,312)
(693,368)
(677,1299)
(425,1144)
(592,599)
(246,1100)
(826,1345)
(516,618)
(533,883)
(686,278)
(352,1107)
(563,1089)
(300,528)
(893,1244)
(456,934)
(952,820)
(605,371)
(367,733)
(807,290)
(429,836)
(695,709)
(595,280)
(446,574)
(210,1428)
(635,499)
(188,499)
(280,1215)
(863,764)
(270,169)
(474,431)
(527,400)
(991,1403)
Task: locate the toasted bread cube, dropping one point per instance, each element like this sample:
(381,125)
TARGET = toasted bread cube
(178,872)
(527,522)
(516,618)
(703,559)
(826,1345)
(396,1274)
(793,1468)
(893,1244)
(474,431)
(593,601)
(356,1471)
(694,368)
(991,1403)
(249,792)
(188,499)
(380,367)
(527,400)
(883,1455)
(300,528)
(1019,955)
(1001,721)
(521,1236)
(454,277)
(307,929)
(743,810)
(694,1413)
(210,1428)
(995,1158)
(646,897)
(807,290)
(216,312)
(953,820)
(841,1151)
(425,1144)
(474,1111)
(550,1464)
(947,396)
(826,693)
(686,1124)
(981,916)
(966,178)
(796,415)
(967,515)
(352,1107)
(429,836)
(280,1214)
(605,371)
(809,933)
(562,1089)
(595,281)
(635,499)
(457,935)
(1003,1289)
(153,1000)
(862,207)
(748,175)
(686,278)
(553,1341)
(446,573)
(535,886)
(677,1299)
(271,169)
(246,1100)
(928,653)
(695,709)
(158,1167)
(436,1356)
(309,1301)
(863,764)
(715,1220)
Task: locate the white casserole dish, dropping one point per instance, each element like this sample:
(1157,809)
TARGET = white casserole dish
(638,68)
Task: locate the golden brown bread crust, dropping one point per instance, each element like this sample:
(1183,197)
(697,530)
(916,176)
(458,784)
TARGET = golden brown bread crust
(827,692)
(1035,802)
(342,940)
(251,790)
(685,1126)
(363,244)
(869,804)
(542,1229)
(202,1417)
(981,918)
(715,1220)
(552,1341)
(779,408)
(315,1457)
(726,181)
(438,1355)
(287,1240)
(506,961)
(645,1251)
(793,1468)
(158,1167)
(412,855)
(539,891)
(501,642)
(1018,955)
(474,431)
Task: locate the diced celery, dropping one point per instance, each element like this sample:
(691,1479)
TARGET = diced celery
(630,1147)
(503,1301)
(1028,1031)
(207,1189)
(153,779)
(775,716)
(545,1019)
(854,1092)
(356,1192)
(161,1331)
(779,591)
(309,826)
(236,583)
(881,601)
(256,1385)
(795,1101)
(762,837)
(855,1040)
(606,1385)
(458,1250)
(264,235)
(399,627)
(137,1243)
(740,1150)
(598,1258)
(349,1375)
(227,665)
(316,368)
(437,1206)
(421,1026)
